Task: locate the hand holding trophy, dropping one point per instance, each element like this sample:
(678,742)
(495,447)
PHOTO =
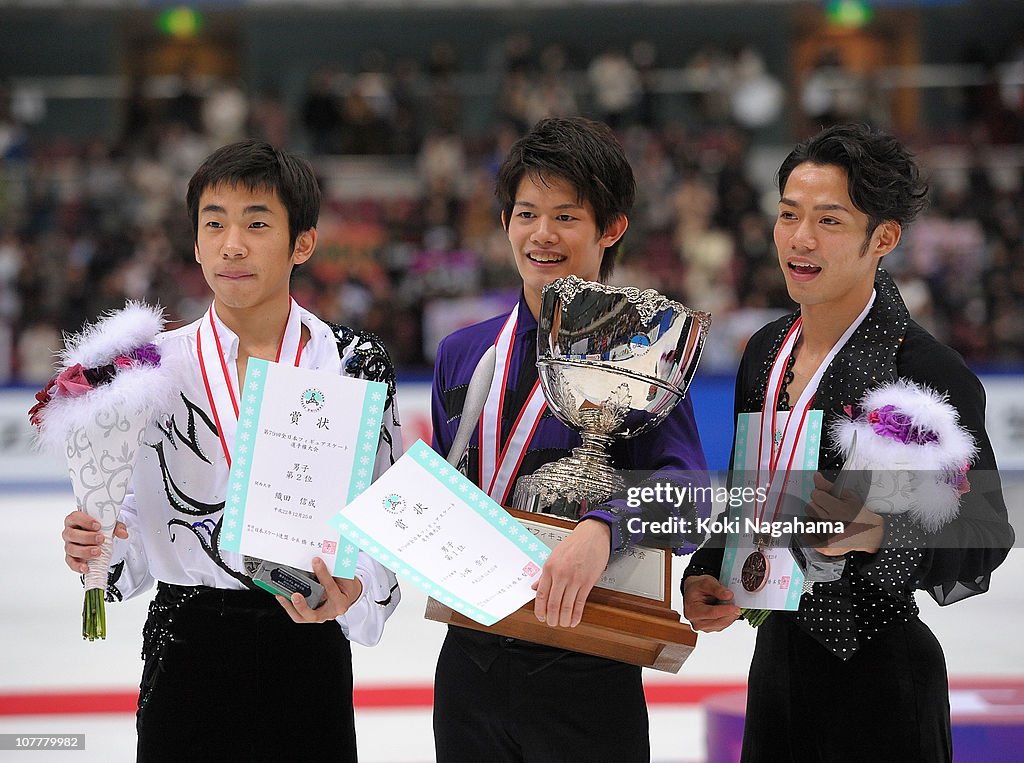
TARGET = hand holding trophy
(613,362)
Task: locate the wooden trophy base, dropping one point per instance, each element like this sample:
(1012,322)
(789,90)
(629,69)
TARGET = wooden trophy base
(631,628)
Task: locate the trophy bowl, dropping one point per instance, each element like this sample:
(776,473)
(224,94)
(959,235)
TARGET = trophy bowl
(613,362)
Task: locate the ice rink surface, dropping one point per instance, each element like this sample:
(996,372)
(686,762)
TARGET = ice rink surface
(41,653)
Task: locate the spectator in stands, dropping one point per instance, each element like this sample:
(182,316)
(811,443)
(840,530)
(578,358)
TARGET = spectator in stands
(616,86)
(321,112)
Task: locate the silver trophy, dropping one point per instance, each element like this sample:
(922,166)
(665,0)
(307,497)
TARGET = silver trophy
(613,362)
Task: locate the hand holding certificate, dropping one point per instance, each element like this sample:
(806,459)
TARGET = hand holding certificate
(758,566)
(297,460)
(431,525)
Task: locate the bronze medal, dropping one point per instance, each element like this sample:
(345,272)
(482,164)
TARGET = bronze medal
(754,574)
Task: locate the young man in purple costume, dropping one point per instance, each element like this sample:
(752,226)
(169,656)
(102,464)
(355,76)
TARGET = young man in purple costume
(565,191)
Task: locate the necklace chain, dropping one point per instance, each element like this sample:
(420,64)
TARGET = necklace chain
(787,379)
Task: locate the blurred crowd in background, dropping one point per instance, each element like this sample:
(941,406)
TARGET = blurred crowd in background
(410,240)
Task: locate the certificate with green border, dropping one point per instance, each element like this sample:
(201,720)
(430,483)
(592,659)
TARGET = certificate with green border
(305,447)
(783,583)
(423,519)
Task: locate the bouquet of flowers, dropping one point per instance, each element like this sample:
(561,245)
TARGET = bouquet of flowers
(911,440)
(95,412)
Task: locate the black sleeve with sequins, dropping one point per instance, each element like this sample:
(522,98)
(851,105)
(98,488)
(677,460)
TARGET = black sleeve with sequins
(364,356)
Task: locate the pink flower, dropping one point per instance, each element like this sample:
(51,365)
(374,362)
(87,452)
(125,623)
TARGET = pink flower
(43,396)
(123,361)
(959,480)
(72,381)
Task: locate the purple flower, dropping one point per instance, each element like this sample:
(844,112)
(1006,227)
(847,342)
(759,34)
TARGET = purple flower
(958,479)
(892,423)
(147,355)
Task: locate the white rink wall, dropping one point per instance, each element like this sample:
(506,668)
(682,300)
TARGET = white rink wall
(41,650)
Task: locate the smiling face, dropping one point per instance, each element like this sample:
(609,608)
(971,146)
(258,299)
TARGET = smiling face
(553,234)
(827,255)
(242,244)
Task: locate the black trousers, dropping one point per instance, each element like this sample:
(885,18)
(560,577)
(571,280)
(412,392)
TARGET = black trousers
(888,702)
(229,676)
(499,699)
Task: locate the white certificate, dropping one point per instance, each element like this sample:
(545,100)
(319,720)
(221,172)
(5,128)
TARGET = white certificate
(781,585)
(427,522)
(636,570)
(305,446)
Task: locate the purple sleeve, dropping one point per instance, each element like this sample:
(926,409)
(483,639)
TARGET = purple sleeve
(441,431)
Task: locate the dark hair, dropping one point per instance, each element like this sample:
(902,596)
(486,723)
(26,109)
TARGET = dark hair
(584,154)
(883,179)
(256,165)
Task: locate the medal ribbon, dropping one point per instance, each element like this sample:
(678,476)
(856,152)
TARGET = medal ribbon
(770,454)
(222,389)
(499,466)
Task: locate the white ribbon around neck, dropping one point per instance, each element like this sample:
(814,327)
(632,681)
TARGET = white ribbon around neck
(771,457)
(221,382)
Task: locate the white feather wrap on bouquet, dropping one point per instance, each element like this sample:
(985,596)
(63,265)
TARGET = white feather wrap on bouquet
(95,412)
(911,440)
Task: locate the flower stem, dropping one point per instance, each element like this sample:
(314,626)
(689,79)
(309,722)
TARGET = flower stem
(755,616)
(94,615)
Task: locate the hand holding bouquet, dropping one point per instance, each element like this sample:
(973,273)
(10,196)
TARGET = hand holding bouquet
(910,439)
(95,412)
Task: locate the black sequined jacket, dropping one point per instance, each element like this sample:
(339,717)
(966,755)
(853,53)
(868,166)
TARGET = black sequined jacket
(876,590)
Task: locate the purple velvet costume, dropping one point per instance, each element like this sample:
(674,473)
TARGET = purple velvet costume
(670,449)
(503,699)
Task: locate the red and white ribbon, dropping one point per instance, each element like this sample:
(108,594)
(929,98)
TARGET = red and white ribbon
(771,456)
(221,382)
(499,466)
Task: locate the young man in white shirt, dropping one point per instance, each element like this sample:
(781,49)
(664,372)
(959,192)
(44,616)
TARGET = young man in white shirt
(229,672)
